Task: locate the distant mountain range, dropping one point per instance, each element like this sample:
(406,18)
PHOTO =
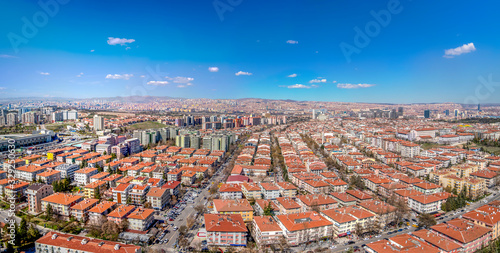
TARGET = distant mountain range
(144,99)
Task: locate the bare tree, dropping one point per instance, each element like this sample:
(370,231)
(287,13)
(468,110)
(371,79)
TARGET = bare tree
(283,244)
(197,245)
(315,206)
(359,229)
(200,208)
(190,220)
(123,225)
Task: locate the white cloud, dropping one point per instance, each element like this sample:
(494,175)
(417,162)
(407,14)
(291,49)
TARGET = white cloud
(292,42)
(318,81)
(158,83)
(117,76)
(44,73)
(354,86)
(92,50)
(127,48)
(292,75)
(464,49)
(117,41)
(213,69)
(298,86)
(7,56)
(240,73)
(180,79)
(3,88)
(181,86)
(79,75)
(143,76)
(334,81)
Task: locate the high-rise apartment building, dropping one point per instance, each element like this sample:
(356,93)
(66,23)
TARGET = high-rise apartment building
(98,123)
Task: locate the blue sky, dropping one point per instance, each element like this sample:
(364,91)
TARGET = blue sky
(281,49)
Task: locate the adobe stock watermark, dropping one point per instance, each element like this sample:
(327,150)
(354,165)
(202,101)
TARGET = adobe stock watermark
(223,6)
(40,19)
(372,29)
(483,91)
(11,157)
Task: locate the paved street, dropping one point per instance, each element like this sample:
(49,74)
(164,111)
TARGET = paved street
(181,219)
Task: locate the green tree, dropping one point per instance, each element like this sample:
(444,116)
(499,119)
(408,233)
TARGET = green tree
(22,230)
(268,210)
(97,193)
(49,212)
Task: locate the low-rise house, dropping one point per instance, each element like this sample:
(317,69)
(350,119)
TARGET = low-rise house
(120,213)
(173,186)
(95,189)
(80,211)
(444,244)
(230,191)
(28,172)
(158,197)
(287,189)
(316,202)
(35,193)
(359,195)
(270,191)
(61,203)
(491,178)
(486,216)
(346,219)
(343,199)
(120,193)
(471,237)
(67,170)
(48,176)
(60,242)
(266,230)
(137,195)
(100,211)
(225,230)
(82,177)
(385,212)
(141,219)
(428,203)
(99,176)
(251,190)
(337,185)
(304,227)
(401,244)
(16,190)
(234,206)
(428,188)
(261,205)
(288,205)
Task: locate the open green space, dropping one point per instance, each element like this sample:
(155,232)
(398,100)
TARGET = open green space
(56,127)
(429,145)
(146,125)
(494,150)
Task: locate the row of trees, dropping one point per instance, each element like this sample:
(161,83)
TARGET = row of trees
(63,185)
(107,230)
(24,234)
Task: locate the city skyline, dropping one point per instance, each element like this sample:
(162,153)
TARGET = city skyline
(303,52)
